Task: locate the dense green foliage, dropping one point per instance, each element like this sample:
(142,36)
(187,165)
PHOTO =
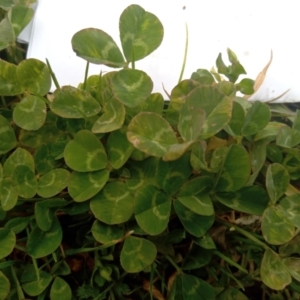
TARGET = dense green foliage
(107,191)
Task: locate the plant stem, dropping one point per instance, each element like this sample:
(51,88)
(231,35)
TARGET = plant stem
(230,261)
(133,61)
(19,289)
(185,52)
(62,251)
(174,264)
(232,277)
(3,101)
(52,75)
(86,74)
(106,290)
(291,190)
(54,256)
(36,268)
(245,233)
(151,281)
(20,248)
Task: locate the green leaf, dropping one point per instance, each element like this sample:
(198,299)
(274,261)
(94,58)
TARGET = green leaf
(61,268)
(216,106)
(291,247)
(245,86)
(7,136)
(218,158)
(112,118)
(69,102)
(30,113)
(131,87)
(270,131)
(83,186)
(190,287)
(288,137)
(232,293)
(276,229)
(232,56)
(18,224)
(226,87)
(203,76)
(75,208)
(20,16)
(295,134)
(191,120)
(4,286)
(140,32)
(85,153)
(149,171)
(17,158)
(44,212)
(257,118)
(291,163)
(2,214)
(7,34)
(53,182)
(195,224)
(7,241)
(31,284)
(152,215)
(249,199)
(284,137)
(196,258)
(7,4)
(154,103)
(277,181)
(9,85)
(114,203)
(236,123)
(205,242)
(24,181)
(44,161)
(236,169)
(222,68)
(233,71)
(151,134)
(57,151)
(293,266)
(175,151)
(1,173)
(8,194)
(96,46)
(181,91)
(257,155)
(175,174)
(42,243)
(60,289)
(138,155)
(104,233)
(200,204)
(198,161)
(118,148)
(201,184)
(47,134)
(289,207)
(273,272)
(34,76)
(137,254)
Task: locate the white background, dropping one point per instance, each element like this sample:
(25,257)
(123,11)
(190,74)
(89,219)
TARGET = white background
(250,28)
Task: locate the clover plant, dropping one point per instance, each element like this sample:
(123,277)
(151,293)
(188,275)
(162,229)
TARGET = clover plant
(110,191)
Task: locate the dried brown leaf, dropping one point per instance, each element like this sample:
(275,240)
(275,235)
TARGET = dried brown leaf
(155,292)
(171,280)
(261,77)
